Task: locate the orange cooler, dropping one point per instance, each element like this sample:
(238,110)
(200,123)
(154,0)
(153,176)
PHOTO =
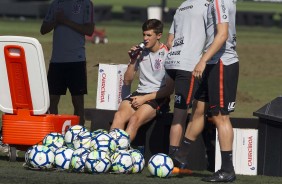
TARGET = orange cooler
(24,94)
(23,129)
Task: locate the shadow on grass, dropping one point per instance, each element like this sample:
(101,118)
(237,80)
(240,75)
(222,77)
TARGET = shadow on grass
(197,175)
(6,158)
(3,157)
(179,176)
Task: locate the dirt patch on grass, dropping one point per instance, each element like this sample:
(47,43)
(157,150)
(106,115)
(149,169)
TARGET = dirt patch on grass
(245,97)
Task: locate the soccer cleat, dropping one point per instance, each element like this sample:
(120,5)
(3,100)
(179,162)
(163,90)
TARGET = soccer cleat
(178,162)
(221,176)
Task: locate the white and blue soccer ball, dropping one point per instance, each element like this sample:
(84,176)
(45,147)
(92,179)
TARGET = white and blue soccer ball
(104,142)
(98,131)
(97,161)
(26,156)
(78,159)
(41,156)
(121,162)
(138,161)
(121,137)
(82,140)
(53,140)
(71,134)
(160,165)
(63,157)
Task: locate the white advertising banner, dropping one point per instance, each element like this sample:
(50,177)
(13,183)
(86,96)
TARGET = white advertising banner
(110,85)
(245,148)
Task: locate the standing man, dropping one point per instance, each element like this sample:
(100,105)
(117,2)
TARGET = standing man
(150,64)
(71,20)
(218,70)
(186,40)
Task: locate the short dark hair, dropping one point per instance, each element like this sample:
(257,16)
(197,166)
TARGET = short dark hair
(153,24)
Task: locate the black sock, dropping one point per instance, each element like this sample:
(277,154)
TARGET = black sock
(184,149)
(227,161)
(172,149)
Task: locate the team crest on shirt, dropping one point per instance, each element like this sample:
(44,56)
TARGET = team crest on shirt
(76,8)
(157,65)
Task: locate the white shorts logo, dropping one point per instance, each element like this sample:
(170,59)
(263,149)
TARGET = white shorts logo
(231,106)
(177,99)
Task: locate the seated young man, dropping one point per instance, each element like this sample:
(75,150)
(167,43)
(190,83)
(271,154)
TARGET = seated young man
(150,64)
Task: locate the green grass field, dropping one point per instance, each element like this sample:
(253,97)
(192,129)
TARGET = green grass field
(15,173)
(260,81)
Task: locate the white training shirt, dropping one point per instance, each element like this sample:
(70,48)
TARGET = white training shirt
(68,44)
(189,29)
(151,70)
(222,11)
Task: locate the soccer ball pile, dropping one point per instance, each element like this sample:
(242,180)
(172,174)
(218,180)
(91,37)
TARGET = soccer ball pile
(82,151)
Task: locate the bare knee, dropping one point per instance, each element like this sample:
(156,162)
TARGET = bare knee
(221,120)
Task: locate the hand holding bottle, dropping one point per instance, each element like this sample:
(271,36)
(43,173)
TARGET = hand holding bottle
(133,53)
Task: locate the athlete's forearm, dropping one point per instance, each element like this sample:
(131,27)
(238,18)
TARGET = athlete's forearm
(169,41)
(85,29)
(162,93)
(46,27)
(129,74)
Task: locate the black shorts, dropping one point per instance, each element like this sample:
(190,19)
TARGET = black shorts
(218,87)
(185,87)
(67,75)
(160,104)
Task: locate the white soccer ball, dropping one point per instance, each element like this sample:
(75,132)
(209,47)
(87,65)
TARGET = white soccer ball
(98,131)
(121,137)
(72,133)
(103,142)
(138,161)
(82,140)
(160,165)
(63,157)
(78,159)
(97,161)
(41,157)
(53,140)
(121,162)
(26,155)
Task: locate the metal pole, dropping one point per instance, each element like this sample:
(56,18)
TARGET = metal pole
(163,5)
